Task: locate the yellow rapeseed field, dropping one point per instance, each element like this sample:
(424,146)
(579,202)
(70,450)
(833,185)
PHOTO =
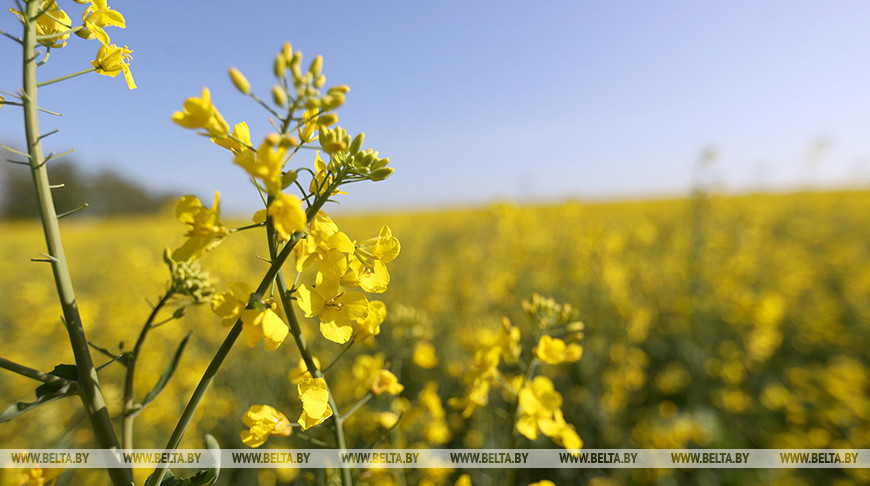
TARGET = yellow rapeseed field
(711,321)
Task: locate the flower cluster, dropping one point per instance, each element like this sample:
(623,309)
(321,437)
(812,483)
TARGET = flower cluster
(53,28)
(334,271)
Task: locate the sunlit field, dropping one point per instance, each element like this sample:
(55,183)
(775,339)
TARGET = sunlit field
(712,321)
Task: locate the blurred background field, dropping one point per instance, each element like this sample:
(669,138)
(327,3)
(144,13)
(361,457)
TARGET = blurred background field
(711,321)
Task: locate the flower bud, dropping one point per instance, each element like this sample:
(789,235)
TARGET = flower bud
(327,119)
(381,174)
(295,63)
(280,66)
(84,33)
(288,178)
(357,143)
(380,163)
(575,326)
(312,103)
(278,95)
(288,141)
(333,140)
(316,66)
(332,101)
(241,83)
(320,81)
(342,88)
(287,52)
(273,139)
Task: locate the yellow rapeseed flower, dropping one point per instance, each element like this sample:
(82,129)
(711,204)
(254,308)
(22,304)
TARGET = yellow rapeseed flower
(200,113)
(205,231)
(538,403)
(336,309)
(112,60)
(264,326)
(424,355)
(287,214)
(99,15)
(52,26)
(371,325)
(264,421)
(554,351)
(315,402)
(386,381)
(258,324)
(239,143)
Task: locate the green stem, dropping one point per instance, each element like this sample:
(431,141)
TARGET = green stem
(129,405)
(296,331)
(301,344)
(530,371)
(338,358)
(31,373)
(64,78)
(356,406)
(89,385)
(218,359)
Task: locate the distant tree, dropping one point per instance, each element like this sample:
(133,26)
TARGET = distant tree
(106,192)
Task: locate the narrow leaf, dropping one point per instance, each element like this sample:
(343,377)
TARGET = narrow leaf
(67,372)
(20,408)
(167,374)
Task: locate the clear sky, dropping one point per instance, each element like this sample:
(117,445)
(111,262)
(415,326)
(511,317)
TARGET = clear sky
(481,100)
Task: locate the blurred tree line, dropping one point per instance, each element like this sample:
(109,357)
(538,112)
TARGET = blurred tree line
(106,192)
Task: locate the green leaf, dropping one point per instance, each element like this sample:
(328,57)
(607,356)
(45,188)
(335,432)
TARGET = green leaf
(64,371)
(167,374)
(65,390)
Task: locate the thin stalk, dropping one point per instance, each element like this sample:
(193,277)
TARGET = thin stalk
(338,358)
(89,385)
(64,78)
(129,405)
(31,373)
(515,435)
(368,396)
(218,359)
(296,331)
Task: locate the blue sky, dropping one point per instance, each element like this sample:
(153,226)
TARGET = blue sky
(478,101)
